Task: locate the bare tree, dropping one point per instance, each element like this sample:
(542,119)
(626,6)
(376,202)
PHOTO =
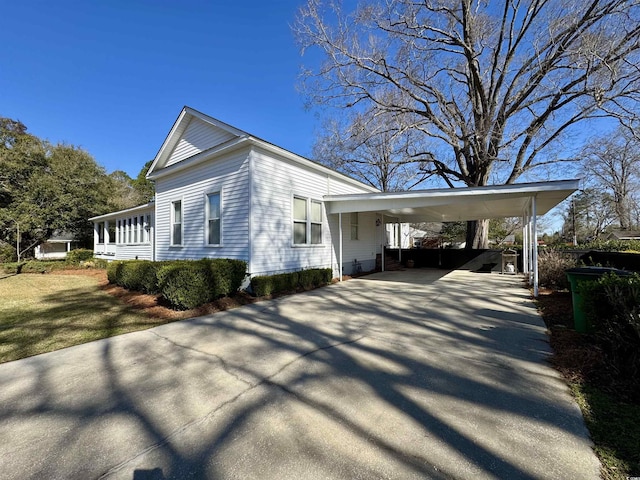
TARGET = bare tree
(496,85)
(613,163)
(373,148)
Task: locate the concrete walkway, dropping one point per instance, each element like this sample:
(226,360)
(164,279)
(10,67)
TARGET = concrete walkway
(399,375)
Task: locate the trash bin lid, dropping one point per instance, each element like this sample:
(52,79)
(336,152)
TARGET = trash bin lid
(598,271)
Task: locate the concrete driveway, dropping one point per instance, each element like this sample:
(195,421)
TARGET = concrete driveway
(412,374)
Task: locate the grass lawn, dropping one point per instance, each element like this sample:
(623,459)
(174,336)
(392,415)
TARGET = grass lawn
(42,313)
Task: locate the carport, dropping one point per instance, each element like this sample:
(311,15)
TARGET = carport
(525,200)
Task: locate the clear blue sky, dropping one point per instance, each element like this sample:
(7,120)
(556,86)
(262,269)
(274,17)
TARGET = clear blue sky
(112,76)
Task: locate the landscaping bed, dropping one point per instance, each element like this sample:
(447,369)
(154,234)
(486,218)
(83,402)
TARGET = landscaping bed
(610,406)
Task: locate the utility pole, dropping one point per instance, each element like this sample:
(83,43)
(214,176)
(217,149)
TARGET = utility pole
(18,240)
(573,217)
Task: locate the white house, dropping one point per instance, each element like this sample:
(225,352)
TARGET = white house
(55,248)
(221,192)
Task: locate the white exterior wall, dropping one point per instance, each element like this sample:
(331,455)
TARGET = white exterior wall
(52,250)
(274,184)
(228,174)
(197,137)
(122,248)
(364,249)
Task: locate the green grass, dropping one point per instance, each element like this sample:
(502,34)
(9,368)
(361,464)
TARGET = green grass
(42,313)
(615,430)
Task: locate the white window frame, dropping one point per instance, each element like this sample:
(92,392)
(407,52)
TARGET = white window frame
(207,218)
(173,222)
(308,221)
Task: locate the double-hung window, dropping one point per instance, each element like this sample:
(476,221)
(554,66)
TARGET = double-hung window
(307,221)
(176,222)
(213,223)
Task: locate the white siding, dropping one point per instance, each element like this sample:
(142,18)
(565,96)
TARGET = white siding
(228,174)
(275,182)
(134,252)
(198,136)
(363,249)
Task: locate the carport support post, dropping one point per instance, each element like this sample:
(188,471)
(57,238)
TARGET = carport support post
(525,244)
(535,246)
(340,240)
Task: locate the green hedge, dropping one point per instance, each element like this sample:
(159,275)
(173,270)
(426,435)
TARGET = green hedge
(184,284)
(612,306)
(79,255)
(286,282)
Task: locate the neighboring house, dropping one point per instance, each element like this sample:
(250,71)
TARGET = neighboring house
(56,247)
(221,192)
(624,235)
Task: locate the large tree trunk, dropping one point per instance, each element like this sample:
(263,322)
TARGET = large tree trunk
(477,234)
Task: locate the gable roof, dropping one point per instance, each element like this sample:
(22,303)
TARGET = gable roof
(196,137)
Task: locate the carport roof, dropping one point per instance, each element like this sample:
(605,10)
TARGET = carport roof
(456,204)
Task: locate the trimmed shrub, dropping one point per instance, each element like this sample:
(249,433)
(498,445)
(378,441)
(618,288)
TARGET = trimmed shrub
(552,265)
(186,285)
(140,275)
(612,305)
(79,255)
(228,275)
(114,272)
(288,282)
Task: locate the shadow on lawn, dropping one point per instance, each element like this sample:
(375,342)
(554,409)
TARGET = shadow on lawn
(70,318)
(240,394)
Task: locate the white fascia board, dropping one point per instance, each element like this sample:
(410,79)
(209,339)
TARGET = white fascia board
(178,128)
(140,208)
(487,202)
(168,140)
(225,147)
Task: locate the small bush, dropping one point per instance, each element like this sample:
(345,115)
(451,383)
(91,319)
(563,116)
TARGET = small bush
(552,265)
(7,253)
(11,268)
(186,285)
(79,255)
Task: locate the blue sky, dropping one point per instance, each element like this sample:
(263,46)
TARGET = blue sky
(112,76)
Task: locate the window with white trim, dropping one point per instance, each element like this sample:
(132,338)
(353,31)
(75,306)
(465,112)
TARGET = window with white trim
(307,221)
(354,225)
(176,222)
(213,226)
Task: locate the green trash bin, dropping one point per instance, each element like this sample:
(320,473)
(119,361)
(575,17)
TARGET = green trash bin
(577,276)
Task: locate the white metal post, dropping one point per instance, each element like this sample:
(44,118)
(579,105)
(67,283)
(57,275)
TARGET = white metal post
(535,246)
(399,242)
(525,245)
(340,239)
